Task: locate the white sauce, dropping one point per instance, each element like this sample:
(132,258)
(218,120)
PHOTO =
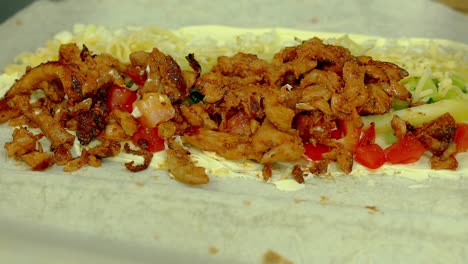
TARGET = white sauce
(288,185)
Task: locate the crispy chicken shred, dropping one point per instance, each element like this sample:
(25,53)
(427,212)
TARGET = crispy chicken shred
(249,109)
(182,167)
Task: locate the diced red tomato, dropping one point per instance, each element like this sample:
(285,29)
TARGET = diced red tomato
(371,156)
(314,152)
(148,138)
(368,153)
(120,97)
(135,74)
(368,136)
(404,151)
(336,133)
(461,137)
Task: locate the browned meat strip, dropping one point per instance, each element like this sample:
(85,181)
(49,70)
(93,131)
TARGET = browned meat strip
(77,163)
(440,163)
(447,160)
(319,167)
(328,57)
(354,90)
(91,120)
(298,174)
(267,172)
(379,102)
(230,146)
(114,132)
(95,70)
(163,74)
(62,155)
(126,121)
(314,127)
(274,145)
(147,157)
(196,115)
(182,168)
(246,69)
(23,142)
(58,136)
(107,148)
(240,123)
(278,114)
(86,129)
(394,74)
(342,156)
(37,160)
(70,81)
(7,112)
(437,135)
(400,127)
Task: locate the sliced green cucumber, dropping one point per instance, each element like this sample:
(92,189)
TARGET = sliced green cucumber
(418,115)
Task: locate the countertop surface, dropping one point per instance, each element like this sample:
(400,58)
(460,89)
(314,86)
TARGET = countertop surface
(10,8)
(103,217)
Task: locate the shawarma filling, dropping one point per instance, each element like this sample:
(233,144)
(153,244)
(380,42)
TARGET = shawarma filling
(304,107)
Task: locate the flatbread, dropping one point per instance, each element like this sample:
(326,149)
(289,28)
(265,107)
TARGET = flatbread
(214,40)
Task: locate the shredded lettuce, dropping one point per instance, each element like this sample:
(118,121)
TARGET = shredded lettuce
(437,70)
(430,90)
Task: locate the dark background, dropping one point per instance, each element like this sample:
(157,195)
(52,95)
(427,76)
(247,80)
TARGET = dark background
(10,7)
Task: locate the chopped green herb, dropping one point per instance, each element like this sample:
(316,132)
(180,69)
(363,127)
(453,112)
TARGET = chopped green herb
(130,83)
(196,96)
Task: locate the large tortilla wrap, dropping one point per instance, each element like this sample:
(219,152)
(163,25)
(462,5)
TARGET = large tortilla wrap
(385,216)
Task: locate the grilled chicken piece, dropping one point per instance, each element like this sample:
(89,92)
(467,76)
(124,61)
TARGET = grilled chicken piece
(181,166)
(163,74)
(23,142)
(230,146)
(38,160)
(437,136)
(52,129)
